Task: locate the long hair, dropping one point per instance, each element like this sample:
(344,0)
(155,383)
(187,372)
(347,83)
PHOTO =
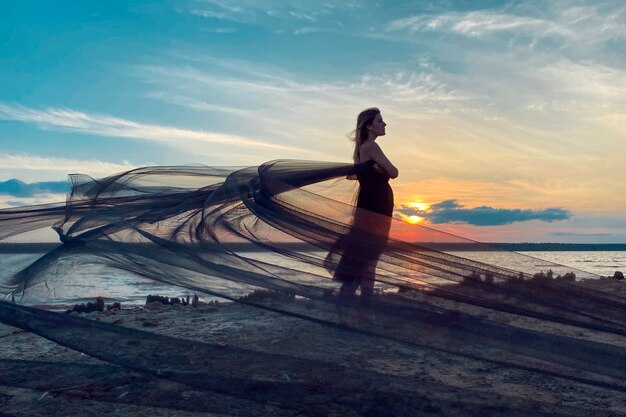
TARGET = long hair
(366,117)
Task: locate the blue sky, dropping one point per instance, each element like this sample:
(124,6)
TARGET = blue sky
(514,111)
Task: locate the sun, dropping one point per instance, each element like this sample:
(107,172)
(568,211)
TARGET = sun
(418,205)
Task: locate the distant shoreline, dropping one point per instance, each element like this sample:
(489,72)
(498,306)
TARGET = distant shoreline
(561,247)
(469,246)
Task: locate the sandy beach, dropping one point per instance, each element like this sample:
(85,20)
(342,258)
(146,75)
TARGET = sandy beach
(292,367)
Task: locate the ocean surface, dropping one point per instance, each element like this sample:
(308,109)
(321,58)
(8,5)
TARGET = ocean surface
(85,281)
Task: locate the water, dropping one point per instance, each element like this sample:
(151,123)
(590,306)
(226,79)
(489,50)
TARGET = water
(89,280)
(597,262)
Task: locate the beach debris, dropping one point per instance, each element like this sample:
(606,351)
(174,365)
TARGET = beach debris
(157,298)
(569,276)
(114,306)
(619,275)
(549,276)
(171,301)
(98,305)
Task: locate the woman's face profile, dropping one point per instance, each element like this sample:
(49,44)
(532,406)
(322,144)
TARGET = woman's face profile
(377,127)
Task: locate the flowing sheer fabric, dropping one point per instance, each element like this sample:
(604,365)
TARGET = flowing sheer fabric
(206,228)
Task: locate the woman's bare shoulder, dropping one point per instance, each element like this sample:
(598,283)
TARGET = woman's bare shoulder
(369,147)
(370,144)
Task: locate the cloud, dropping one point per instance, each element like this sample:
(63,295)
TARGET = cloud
(68,120)
(402,87)
(276,98)
(12,163)
(223,30)
(7,201)
(17,193)
(451,211)
(478,24)
(233,17)
(558,23)
(21,189)
(591,80)
(268,12)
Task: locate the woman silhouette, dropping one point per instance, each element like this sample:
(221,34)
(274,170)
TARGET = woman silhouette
(372,219)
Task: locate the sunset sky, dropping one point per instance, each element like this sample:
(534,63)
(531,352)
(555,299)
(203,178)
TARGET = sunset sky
(507,120)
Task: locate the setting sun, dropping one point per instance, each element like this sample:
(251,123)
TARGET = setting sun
(415,219)
(417,207)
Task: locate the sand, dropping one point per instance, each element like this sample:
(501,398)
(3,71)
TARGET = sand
(42,378)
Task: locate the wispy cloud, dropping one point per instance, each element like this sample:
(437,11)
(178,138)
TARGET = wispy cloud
(478,24)
(567,24)
(233,17)
(274,92)
(224,30)
(412,87)
(25,162)
(266,12)
(593,81)
(451,211)
(69,120)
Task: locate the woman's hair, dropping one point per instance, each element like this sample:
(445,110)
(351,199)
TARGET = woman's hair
(366,117)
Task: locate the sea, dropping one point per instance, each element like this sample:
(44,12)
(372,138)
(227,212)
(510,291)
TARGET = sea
(84,282)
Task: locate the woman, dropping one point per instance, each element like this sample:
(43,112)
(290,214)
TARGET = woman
(372,218)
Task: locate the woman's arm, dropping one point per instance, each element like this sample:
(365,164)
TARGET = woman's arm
(371,150)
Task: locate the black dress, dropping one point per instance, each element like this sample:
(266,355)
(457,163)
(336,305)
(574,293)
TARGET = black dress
(361,248)
(375,194)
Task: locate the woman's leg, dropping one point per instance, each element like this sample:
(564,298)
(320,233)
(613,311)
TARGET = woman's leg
(378,243)
(368,278)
